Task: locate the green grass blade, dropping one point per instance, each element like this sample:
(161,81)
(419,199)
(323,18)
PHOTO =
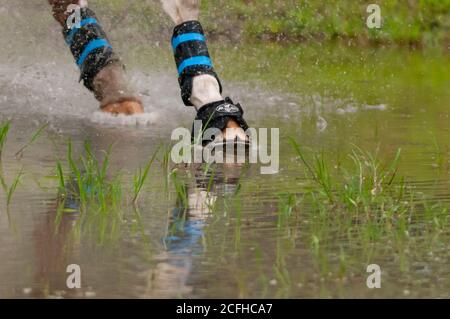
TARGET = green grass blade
(33,138)
(142,177)
(4,130)
(13,188)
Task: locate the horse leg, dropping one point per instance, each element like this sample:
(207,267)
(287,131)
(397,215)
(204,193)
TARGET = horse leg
(101,69)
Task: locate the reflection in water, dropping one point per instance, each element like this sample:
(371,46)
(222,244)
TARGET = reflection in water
(59,237)
(185,232)
(54,252)
(58,240)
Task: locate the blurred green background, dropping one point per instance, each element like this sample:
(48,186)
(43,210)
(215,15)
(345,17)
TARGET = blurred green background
(404,22)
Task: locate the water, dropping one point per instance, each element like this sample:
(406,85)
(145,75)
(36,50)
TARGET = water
(227,243)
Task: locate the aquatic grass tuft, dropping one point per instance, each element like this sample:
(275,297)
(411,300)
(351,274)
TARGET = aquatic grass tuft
(439,156)
(366,186)
(287,204)
(140,178)
(90,186)
(61,179)
(180,189)
(4,130)
(166,167)
(363,201)
(12,188)
(371,185)
(9,190)
(319,171)
(33,138)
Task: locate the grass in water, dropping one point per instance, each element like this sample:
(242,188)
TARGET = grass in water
(61,179)
(365,202)
(89,186)
(140,178)
(98,194)
(368,186)
(180,189)
(4,130)
(12,188)
(33,138)
(286,209)
(9,190)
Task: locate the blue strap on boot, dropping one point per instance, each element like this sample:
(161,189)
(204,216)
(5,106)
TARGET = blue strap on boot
(89,46)
(191,56)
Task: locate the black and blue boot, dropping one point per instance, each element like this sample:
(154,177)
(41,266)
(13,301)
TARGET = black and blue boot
(193,59)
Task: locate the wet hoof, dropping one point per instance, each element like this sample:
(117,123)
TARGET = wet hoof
(127,108)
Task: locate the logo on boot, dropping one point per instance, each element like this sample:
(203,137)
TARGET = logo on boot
(227,108)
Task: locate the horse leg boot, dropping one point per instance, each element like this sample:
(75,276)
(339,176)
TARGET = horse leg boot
(102,71)
(200,85)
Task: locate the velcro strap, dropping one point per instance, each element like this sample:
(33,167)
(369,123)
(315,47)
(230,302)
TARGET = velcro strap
(89,46)
(191,56)
(217,115)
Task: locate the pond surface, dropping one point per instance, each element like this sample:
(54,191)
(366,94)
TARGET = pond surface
(220,234)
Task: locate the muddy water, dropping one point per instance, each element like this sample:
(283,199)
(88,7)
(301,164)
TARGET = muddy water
(225,241)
